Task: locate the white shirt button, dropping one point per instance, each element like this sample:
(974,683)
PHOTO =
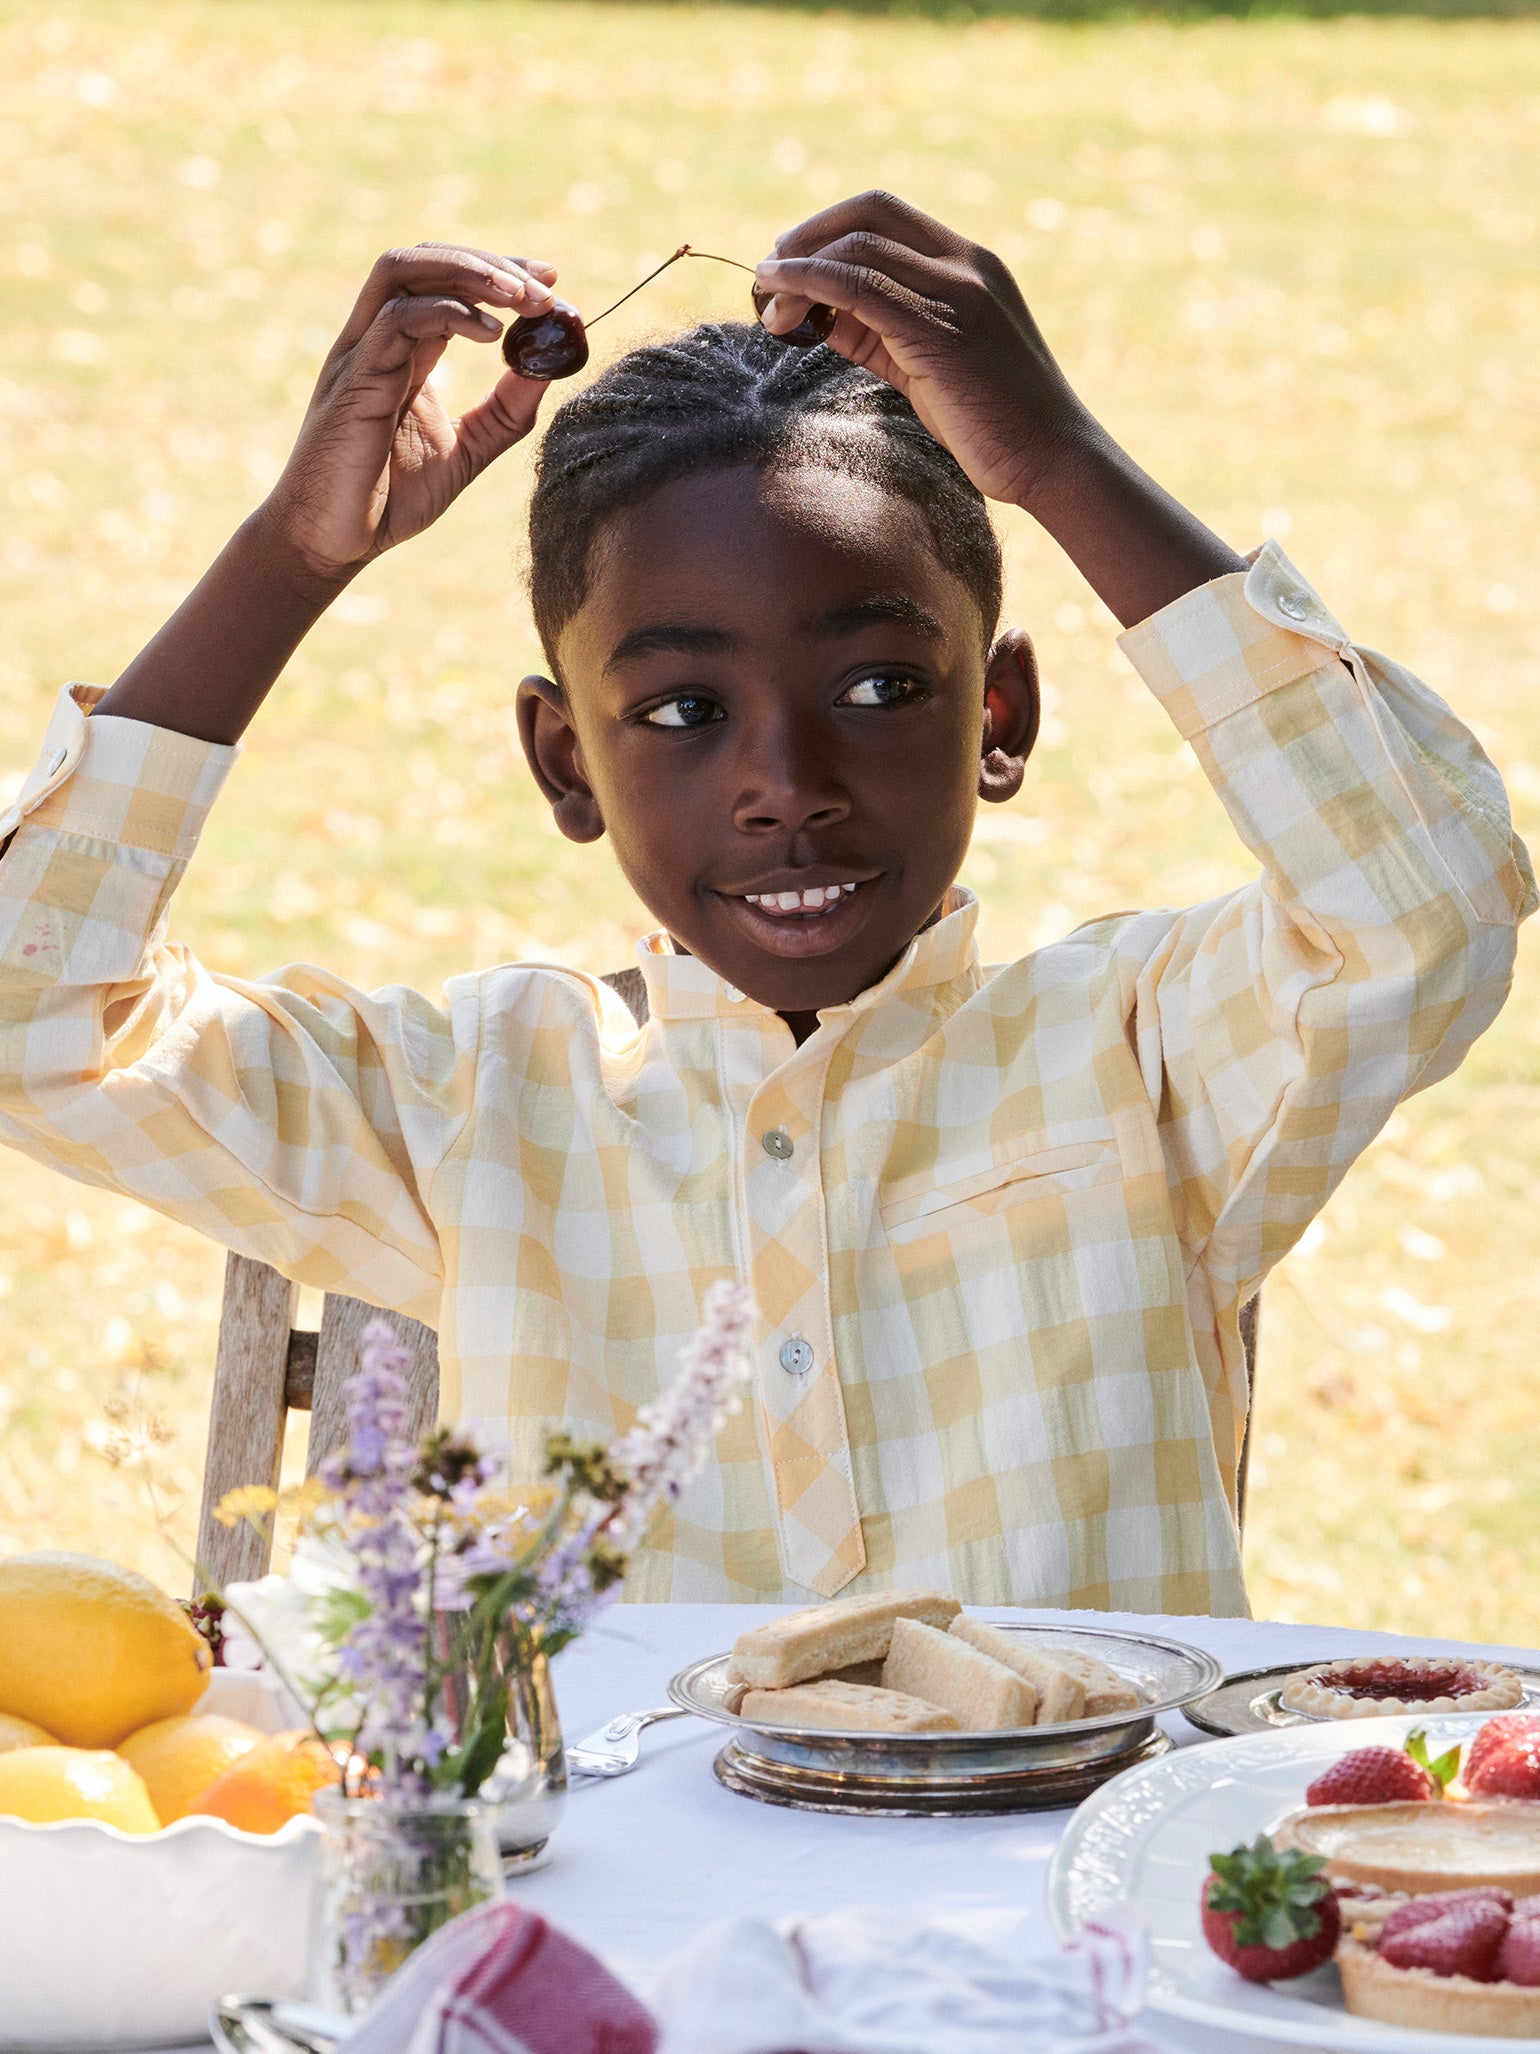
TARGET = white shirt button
(1295,608)
(796,1356)
(56,761)
(777,1143)
(735,997)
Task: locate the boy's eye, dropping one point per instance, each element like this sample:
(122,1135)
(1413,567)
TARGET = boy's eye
(686,711)
(880,689)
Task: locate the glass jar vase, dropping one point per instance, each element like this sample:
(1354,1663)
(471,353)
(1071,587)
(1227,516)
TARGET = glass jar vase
(528,1786)
(393,1870)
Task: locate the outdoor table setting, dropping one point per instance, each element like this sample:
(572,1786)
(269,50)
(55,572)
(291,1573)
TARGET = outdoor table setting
(428,1773)
(669,1875)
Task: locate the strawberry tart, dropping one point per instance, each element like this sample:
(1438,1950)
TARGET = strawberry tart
(1379,1686)
(1460,1961)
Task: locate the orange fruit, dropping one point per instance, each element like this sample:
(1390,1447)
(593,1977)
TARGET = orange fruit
(272,1784)
(180,1757)
(91,1652)
(22,1733)
(41,1784)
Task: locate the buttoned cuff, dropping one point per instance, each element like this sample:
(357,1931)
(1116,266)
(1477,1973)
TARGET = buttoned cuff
(1229,643)
(119,780)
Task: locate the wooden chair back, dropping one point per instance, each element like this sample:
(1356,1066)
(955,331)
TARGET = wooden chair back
(266,1368)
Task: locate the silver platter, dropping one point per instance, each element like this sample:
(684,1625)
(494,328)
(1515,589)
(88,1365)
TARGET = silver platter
(952,1797)
(961,1771)
(1248,1702)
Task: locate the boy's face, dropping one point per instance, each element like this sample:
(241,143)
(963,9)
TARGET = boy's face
(774,688)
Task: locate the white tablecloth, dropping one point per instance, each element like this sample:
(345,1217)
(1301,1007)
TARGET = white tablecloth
(642,1862)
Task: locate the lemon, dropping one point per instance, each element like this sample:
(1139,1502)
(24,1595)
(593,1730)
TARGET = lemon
(180,1757)
(91,1651)
(22,1733)
(45,1783)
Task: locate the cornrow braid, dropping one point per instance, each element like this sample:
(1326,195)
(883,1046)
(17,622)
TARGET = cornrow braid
(728,394)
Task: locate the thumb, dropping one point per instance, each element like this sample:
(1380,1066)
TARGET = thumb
(506,415)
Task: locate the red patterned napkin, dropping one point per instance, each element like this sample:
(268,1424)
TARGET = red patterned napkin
(499,1980)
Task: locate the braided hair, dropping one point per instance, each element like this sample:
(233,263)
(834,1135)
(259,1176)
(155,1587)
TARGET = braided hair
(723,395)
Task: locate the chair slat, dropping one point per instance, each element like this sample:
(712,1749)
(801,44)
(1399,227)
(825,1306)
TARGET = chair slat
(342,1325)
(246,1421)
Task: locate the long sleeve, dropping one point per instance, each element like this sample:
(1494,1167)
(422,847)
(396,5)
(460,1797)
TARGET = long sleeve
(293,1118)
(1278,1027)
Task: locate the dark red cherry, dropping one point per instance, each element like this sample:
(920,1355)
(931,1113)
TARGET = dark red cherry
(547,346)
(816,325)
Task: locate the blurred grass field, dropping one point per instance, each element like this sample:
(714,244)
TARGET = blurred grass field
(1294,266)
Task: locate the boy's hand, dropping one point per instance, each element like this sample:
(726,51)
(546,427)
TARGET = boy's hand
(940,319)
(378,459)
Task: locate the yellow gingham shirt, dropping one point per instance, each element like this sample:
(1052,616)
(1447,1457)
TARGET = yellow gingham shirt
(999,1223)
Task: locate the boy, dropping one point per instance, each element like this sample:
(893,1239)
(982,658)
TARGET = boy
(999,1224)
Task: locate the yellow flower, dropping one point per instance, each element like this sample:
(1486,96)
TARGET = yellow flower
(301,1501)
(253,1501)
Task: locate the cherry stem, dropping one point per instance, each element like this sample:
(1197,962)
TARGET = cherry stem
(684,250)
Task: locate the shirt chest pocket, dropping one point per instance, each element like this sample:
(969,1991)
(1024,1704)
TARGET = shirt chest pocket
(1019,1174)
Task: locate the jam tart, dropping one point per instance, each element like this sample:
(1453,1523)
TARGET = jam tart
(1377,1686)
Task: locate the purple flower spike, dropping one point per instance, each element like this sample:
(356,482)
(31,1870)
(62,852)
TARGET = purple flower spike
(384,1654)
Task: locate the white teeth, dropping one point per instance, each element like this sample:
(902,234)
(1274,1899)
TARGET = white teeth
(813,900)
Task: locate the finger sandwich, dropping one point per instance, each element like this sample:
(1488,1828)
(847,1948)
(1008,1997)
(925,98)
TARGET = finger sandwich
(983,1695)
(829,1637)
(1105,1690)
(1057,1693)
(846,1708)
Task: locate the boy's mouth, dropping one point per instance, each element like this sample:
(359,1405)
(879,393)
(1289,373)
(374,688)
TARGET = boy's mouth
(806,920)
(815,899)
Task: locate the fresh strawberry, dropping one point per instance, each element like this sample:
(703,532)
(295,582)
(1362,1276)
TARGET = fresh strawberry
(1418,1911)
(1504,1757)
(1526,1907)
(1520,1958)
(1269,1916)
(1463,1940)
(1373,1775)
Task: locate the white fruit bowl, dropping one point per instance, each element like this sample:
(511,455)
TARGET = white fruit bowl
(123,1940)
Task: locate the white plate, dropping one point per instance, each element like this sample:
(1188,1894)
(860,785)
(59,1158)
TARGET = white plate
(1145,1838)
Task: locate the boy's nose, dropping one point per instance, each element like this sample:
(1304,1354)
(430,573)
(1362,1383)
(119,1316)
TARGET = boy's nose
(789,784)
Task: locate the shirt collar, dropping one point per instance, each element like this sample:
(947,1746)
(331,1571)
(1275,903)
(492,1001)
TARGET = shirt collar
(680,987)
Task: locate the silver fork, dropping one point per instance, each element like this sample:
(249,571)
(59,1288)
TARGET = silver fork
(616,1748)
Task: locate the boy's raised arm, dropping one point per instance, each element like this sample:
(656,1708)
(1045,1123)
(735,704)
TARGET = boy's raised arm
(1276,1028)
(376,462)
(944,322)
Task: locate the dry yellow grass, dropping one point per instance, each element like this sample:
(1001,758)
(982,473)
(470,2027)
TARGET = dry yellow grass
(1292,263)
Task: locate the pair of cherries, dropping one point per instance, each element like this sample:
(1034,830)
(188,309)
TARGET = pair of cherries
(555,345)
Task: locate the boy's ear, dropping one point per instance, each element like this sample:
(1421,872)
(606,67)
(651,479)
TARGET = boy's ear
(555,755)
(1012,710)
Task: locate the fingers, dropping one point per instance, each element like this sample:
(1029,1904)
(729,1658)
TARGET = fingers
(439,270)
(403,325)
(875,212)
(534,267)
(497,422)
(882,302)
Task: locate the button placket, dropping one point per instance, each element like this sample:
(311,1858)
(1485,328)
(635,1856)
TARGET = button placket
(809,1445)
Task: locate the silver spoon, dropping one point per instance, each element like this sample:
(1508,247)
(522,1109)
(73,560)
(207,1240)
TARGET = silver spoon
(258,2025)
